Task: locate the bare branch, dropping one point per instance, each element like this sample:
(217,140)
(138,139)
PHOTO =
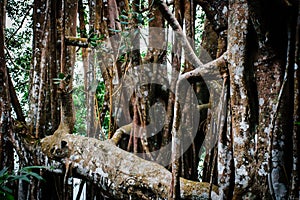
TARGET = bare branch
(119,133)
(189,51)
(74,41)
(204,106)
(14,100)
(214,69)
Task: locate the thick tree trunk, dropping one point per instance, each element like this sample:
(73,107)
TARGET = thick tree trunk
(258,117)
(6,149)
(239,96)
(118,174)
(36,116)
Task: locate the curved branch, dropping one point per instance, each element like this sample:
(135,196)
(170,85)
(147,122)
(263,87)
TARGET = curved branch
(169,16)
(119,133)
(14,100)
(119,174)
(214,69)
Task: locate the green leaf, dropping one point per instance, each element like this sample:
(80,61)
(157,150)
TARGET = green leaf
(33,167)
(61,76)
(9,197)
(3,172)
(151,19)
(23,178)
(122,47)
(125,33)
(6,189)
(114,30)
(136,32)
(123,16)
(94,44)
(135,13)
(35,175)
(94,39)
(124,23)
(297,123)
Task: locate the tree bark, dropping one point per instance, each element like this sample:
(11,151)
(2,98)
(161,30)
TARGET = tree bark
(118,174)
(6,149)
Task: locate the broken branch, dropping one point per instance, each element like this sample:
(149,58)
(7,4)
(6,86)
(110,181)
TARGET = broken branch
(74,41)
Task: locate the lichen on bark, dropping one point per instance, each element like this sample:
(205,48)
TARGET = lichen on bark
(118,174)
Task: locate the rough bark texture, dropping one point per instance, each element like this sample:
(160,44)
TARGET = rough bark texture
(6,149)
(216,13)
(67,61)
(256,123)
(119,174)
(36,116)
(295,181)
(239,100)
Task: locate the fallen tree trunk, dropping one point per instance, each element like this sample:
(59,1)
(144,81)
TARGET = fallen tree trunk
(119,174)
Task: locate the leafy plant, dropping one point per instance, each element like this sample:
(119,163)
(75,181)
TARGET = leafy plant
(7,178)
(80,107)
(61,77)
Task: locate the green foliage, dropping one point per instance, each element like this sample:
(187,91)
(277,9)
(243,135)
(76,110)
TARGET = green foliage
(19,68)
(7,178)
(200,18)
(79,99)
(143,54)
(80,107)
(16,9)
(100,95)
(18,37)
(94,39)
(62,77)
(202,154)
(141,19)
(105,125)
(86,22)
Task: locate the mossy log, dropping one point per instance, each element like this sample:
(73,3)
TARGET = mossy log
(119,174)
